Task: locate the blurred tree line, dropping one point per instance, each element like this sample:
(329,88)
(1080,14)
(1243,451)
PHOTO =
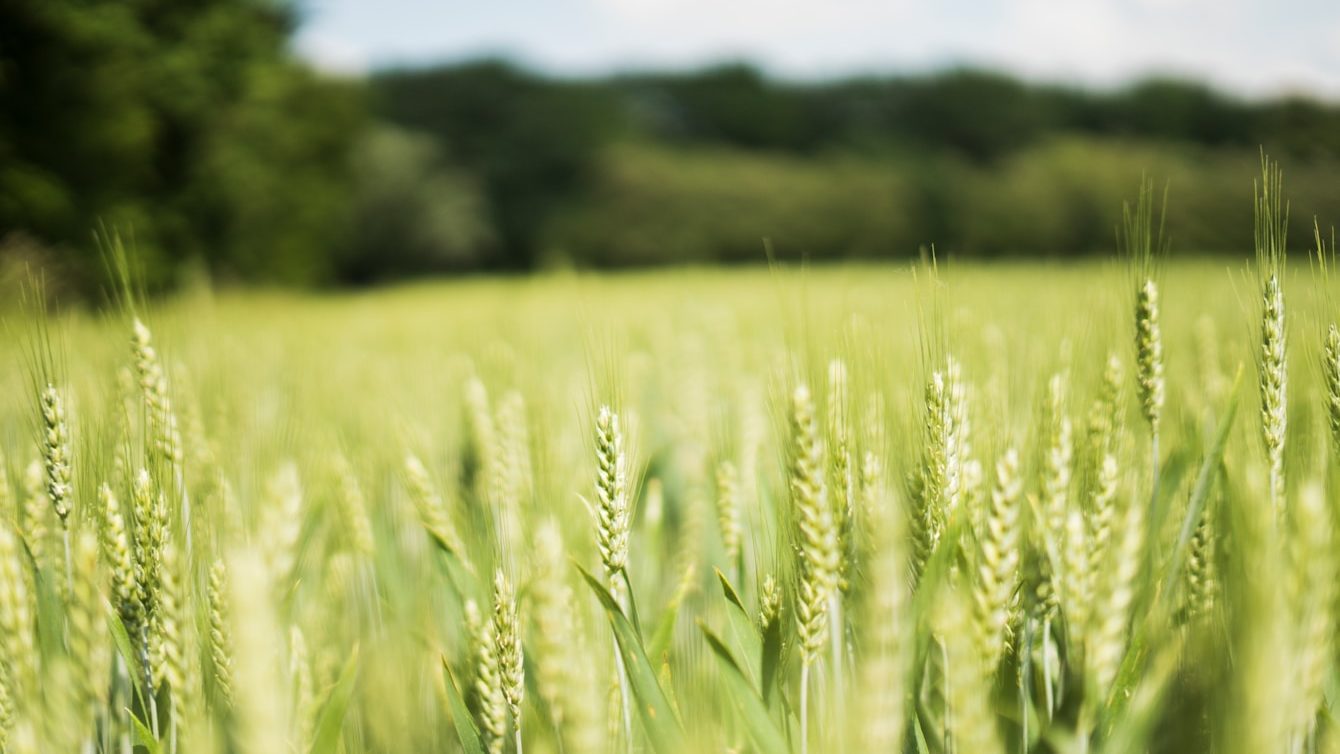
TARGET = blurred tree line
(192,129)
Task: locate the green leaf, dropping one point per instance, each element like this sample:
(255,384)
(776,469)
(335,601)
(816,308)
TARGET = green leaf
(331,720)
(920,736)
(124,645)
(460,715)
(1157,614)
(658,717)
(935,573)
(1145,707)
(743,628)
(50,608)
(1201,491)
(1171,471)
(761,727)
(931,722)
(143,736)
(126,648)
(728,590)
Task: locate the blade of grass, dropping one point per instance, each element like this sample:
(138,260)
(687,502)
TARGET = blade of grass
(1161,604)
(331,720)
(460,714)
(758,722)
(743,628)
(145,737)
(658,717)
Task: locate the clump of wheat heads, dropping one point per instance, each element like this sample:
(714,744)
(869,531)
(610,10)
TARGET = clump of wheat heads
(172,648)
(1272,224)
(970,721)
(151,532)
(1311,596)
(1055,482)
(353,510)
(34,523)
(1144,244)
(432,510)
(1115,595)
(1105,416)
(1102,510)
(18,646)
(614,516)
(116,551)
(1202,578)
(1330,367)
(841,459)
(508,650)
(886,647)
(282,520)
(490,701)
(482,435)
(769,604)
(164,434)
(304,694)
(937,486)
(1330,351)
(728,513)
(562,674)
(261,717)
(1058,457)
(816,540)
(613,511)
(998,559)
(56,455)
(220,632)
(88,641)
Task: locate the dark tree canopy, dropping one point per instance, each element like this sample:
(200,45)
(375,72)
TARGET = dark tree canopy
(190,128)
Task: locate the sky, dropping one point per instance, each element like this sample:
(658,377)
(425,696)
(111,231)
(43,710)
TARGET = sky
(1248,47)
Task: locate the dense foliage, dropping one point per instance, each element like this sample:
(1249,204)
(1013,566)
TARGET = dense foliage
(186,125)
(701,167)
(191,128)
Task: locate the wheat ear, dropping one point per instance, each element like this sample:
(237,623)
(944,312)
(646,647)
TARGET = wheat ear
(816,540)
(88,640)
(220,632)
(508,649)
(886,648)
(998,560)
(1272,224)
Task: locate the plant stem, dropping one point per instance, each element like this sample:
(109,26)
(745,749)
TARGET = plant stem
(623,696)
(185,505)
(69,564)
(948,692)
(149,700)
(1047,667)
(1025,676)
(1154,467)
(804,708)
(835,635)
(122,674)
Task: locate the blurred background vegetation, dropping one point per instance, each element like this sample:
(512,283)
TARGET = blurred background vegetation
(193,130)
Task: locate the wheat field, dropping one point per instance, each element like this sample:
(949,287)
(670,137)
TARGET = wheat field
(929,508)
